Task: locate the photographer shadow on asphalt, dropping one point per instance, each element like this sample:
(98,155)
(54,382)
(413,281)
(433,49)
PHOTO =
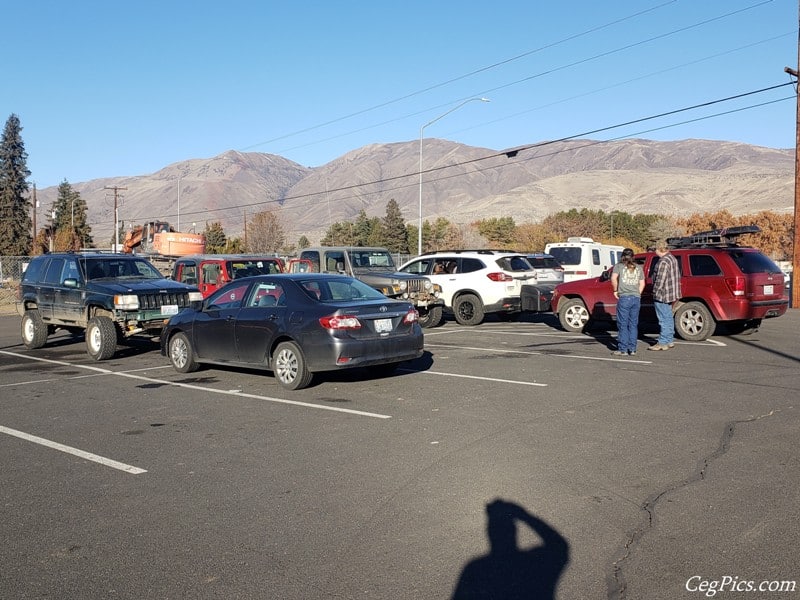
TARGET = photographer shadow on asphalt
(509,571)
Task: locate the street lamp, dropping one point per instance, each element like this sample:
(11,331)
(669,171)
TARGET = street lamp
(421,131)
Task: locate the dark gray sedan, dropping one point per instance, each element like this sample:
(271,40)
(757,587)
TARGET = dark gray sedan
(295,325)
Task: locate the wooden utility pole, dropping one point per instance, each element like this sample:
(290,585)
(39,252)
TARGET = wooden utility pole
(795,291)
(116,219)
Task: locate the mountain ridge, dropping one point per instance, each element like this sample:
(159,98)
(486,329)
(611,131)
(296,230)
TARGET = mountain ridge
(461,183)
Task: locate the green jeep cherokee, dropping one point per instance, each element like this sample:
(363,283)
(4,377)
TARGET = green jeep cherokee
(109,297)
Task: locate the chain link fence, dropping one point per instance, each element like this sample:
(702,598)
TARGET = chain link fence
(11,270)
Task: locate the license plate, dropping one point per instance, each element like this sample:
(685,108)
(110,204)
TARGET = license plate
(169,309)
(383,325)
(768,289)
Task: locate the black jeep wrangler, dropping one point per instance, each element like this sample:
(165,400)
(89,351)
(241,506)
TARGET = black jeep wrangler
(108,297)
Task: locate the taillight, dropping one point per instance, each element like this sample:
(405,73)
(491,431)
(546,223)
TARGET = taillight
(500,276)
(736,285)
(340,322)
(412,316)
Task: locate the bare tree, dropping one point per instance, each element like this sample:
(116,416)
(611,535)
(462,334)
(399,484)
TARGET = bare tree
(265,233)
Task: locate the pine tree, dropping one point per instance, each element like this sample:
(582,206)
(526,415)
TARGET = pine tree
(69,220)
(394,228)
(15,217)
(215,238)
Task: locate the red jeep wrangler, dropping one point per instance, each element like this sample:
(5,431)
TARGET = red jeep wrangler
(211,271)
(721,282)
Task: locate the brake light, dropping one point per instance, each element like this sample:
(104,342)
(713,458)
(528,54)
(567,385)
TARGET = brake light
(412,316)
(340,322)
(499,276)
(736,285)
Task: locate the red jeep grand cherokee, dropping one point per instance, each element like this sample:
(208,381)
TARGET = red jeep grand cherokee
(721,282)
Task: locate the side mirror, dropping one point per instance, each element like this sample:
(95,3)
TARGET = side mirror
(605,276)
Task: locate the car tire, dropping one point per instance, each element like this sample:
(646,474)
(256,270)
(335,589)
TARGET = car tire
(468,310)
(693,322)
(289,366)
(101,338)
(181,354)
(430,317)
(34,330)
(573,315)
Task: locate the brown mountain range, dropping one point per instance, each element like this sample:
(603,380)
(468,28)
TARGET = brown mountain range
(461,183)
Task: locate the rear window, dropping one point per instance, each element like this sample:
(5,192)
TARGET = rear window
(514,263)
(538,262)
(567,256)
(753,262)
(468,265)
(34,269)
(703,264)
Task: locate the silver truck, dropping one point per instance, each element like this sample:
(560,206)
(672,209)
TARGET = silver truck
(375,267)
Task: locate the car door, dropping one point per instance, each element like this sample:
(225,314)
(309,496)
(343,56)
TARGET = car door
(68,301)
(47,288)
(260,320)
(214,328)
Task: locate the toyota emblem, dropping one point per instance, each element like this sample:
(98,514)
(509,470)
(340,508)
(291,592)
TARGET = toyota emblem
(383,309)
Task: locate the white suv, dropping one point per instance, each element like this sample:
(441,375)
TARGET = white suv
(476,282)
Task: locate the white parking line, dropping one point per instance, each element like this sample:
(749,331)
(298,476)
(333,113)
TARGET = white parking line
(534,353)
(74,451)
(514,381)
(190,386)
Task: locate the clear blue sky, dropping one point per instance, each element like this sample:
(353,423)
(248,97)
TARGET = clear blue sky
(106,89)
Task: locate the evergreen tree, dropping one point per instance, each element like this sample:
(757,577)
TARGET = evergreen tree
(69,222)
(339,234)
(498,231)
(215,238)
(15,217)
(394,229)
(303,242)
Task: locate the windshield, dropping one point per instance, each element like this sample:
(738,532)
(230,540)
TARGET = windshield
(114,267)
(249,268)
(371,258)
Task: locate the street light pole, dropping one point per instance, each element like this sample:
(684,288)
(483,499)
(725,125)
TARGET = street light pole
(421,133)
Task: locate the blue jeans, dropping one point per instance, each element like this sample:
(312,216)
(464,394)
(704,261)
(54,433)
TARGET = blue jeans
(628,322)
(666,322)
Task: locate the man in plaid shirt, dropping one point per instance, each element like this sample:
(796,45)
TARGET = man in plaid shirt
(666,290)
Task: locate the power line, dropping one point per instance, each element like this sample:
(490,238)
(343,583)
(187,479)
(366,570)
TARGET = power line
(515,152)
(501,63)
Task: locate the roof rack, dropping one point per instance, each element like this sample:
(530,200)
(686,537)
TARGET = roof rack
(715,237)
(473,250)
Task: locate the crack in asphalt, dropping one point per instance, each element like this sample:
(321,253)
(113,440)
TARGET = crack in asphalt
(617,587)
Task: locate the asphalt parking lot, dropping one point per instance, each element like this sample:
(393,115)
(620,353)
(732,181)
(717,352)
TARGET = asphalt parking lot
(513,460)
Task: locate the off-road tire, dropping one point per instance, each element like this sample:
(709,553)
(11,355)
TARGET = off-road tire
(430,317)
(180,353)
(289,367)
(34,330)
(101,338)
(468,310)
(573,315)
(693,322)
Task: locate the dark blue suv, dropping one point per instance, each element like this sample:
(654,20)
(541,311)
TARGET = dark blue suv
(109,297)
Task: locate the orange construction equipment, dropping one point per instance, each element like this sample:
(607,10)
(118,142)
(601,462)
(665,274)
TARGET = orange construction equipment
(160,238)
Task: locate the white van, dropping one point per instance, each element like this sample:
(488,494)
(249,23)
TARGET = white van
(583,258)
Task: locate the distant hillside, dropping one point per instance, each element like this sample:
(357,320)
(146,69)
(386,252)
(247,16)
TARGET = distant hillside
(459,183)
